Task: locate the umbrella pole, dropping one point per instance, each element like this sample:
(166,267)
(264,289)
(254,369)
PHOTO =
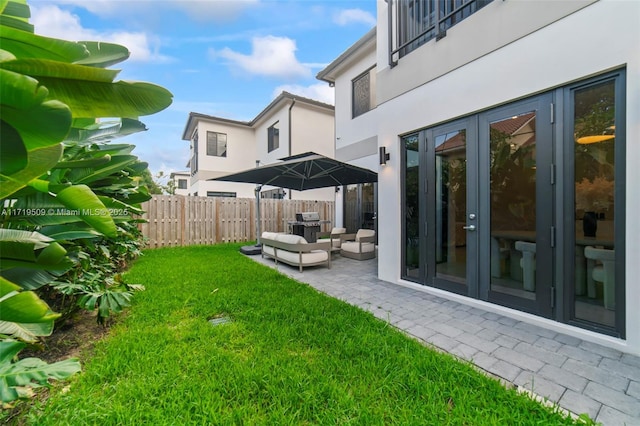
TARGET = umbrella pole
(258,215)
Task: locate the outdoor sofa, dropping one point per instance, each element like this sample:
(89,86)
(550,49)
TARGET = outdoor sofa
(294,250)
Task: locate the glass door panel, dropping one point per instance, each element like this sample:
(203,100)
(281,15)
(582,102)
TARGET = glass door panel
(412,211)
(517,189)
(512,144)
(451,205)
(594,180)
(451,259)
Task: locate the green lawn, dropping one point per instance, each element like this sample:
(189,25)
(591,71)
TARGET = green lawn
(289,356)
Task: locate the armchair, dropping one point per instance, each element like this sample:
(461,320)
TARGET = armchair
(333,236)
(359,246)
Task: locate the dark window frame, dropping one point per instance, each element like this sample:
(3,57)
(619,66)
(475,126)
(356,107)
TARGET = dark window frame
(221,194)
(273,137)
(216,148)
(357,109)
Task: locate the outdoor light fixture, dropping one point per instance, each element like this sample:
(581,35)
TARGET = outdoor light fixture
(384,156)
(607,135)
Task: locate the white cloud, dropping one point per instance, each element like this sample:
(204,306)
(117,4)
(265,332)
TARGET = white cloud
(349,16)
(270,56)
(201,10)
(51,21)
(318,91)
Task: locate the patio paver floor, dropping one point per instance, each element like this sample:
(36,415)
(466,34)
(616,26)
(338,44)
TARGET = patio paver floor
(579,376)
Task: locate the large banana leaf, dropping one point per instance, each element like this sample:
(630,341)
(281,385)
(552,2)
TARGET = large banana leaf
(24,106)
(99,99)
(22,249)
(22,306)
(15,14)
(25,44)
(105,131)
(28,372)
(82,199)
(103,54)
(39,161)
(47,68)
(88,175)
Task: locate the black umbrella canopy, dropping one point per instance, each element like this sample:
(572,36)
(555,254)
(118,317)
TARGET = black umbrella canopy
(304,171)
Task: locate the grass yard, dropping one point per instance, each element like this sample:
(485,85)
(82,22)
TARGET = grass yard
(289,356)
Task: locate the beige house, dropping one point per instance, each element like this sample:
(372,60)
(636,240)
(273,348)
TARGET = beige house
(180,182)
(504,134)
(289,125)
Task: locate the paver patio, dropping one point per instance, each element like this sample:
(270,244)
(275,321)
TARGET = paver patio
(580,376)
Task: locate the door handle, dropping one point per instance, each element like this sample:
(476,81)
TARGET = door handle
(469,228)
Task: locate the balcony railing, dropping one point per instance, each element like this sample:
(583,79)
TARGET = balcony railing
(419,21)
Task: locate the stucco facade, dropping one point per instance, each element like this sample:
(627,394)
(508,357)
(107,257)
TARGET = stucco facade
(536,56)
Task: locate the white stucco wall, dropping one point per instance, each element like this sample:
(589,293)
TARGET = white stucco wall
(241,149)
(601,36)
(312,129)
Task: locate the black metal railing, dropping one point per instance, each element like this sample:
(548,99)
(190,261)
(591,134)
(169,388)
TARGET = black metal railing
(419,21)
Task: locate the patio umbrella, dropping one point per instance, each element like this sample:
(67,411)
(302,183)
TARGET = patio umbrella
(304,171)
(301,172)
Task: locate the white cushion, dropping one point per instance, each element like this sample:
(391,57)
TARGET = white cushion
(339,231)
(269,250)
(314,256)
(290,239)
(354,247)
(269,235)
(364,233)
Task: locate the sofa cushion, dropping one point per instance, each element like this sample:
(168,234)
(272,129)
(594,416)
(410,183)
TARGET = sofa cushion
(354,247)
(290,239)
(268,250)
(314,256)
(365,233)
(269,235)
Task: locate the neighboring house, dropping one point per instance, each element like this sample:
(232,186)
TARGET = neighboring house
(289,125)
(353,74)
(180,182)
(512,131)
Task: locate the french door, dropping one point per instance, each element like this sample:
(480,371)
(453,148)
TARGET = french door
(487,206)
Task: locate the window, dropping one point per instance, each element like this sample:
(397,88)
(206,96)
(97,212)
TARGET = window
(182,184)
(273,137)
(194,153)
(419,21)
(276,194)
(363,92)
(221,194)
(216,144)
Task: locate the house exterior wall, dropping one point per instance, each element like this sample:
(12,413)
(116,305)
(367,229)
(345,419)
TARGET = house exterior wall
(306,124)
(281,116)
(176,176)
(312,130)
(532,47)
(240,156)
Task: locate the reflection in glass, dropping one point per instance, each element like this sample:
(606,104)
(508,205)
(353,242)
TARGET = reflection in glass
(451,205)
(351,221)
(513,205)
(412,207)
(594,130)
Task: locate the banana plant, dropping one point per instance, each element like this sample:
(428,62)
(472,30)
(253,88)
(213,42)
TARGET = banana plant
(61,187)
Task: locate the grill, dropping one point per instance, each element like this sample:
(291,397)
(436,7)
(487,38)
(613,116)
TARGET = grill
(307,224)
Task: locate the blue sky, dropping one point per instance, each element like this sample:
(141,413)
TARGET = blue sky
(227,58)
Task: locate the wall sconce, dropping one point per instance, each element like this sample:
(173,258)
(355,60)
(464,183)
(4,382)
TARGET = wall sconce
(384,156)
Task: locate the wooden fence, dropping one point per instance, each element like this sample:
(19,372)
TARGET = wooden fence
(175,220)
